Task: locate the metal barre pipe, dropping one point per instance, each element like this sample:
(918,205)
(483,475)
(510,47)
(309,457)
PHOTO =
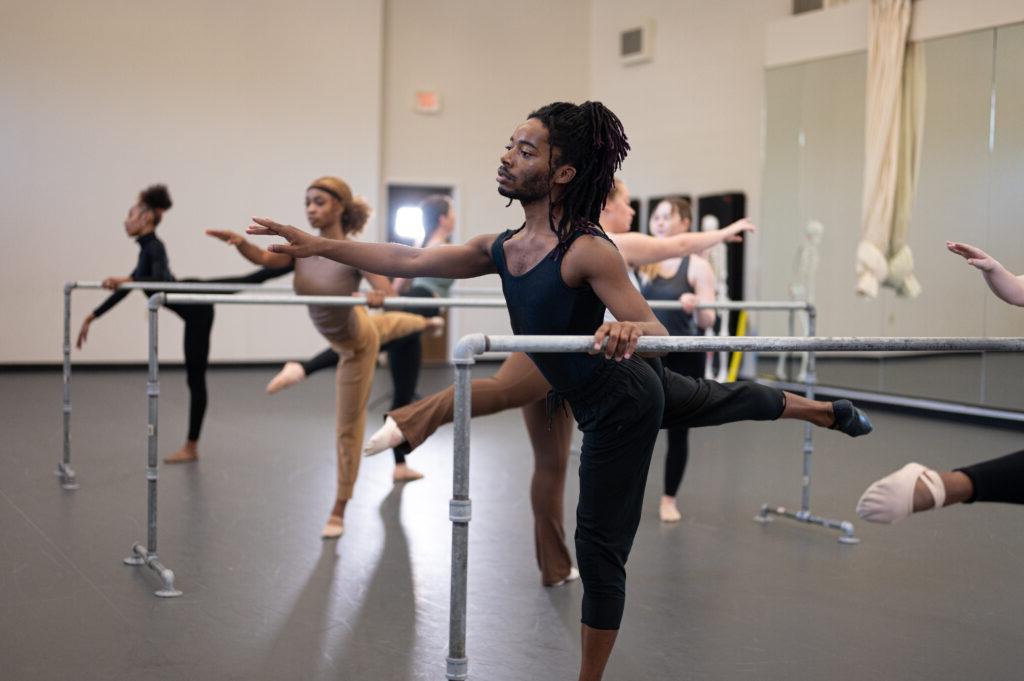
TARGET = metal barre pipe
(760,344)
(402,302)
(198,287)
(182,286)
(329,301)
(469,347)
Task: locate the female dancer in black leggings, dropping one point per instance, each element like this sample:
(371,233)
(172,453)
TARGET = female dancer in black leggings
(558,274)
(690,281)
(153,265)
(915,488)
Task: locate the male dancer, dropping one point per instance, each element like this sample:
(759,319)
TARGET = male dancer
(559,272)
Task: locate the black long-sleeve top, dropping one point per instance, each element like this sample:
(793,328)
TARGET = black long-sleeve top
(152,265)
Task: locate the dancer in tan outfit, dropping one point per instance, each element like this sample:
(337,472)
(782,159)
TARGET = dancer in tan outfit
(518,383)
(337,214)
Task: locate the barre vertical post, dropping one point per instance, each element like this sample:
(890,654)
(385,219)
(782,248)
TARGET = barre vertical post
(811,380)
(804,515)
(68,479)
(460,508)
(148,556)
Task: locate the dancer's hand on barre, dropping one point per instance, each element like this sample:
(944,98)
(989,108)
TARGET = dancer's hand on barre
(974,256)
(374,298)
(83,333)
(300,244)
(689,302)
(622,339)
(114,282)
(736,230)
(227,236)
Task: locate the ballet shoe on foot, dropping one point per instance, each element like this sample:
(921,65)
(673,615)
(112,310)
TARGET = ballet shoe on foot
(849,419)
(388,437)
(184,455)
(891,499)
(290,374)
(405,474)
(573,575)
(334,528)
(669,512)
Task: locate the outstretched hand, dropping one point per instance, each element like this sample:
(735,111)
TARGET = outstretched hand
(737,229)
(300,244)
(974,255)
(227,236)
(83,333)
(622,339)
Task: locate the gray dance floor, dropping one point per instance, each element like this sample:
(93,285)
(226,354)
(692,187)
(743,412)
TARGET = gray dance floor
(713,597)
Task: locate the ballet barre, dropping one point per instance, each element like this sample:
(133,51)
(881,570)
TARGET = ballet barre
(67,475)
(471,346)
(250,294)
(147,555)
(65,472)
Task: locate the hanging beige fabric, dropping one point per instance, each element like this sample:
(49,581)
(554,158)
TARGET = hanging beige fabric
(901,261)
(892,134)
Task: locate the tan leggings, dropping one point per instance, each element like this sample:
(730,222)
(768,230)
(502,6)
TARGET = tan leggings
(518,383)
(357,357)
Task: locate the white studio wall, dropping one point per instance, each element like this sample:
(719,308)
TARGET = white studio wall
(235,110)
(491,67)
(694,112)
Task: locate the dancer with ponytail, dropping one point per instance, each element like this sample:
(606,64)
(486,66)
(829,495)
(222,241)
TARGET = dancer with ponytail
(153,265)
(338,215)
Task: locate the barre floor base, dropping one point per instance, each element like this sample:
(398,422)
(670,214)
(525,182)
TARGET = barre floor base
(715,596)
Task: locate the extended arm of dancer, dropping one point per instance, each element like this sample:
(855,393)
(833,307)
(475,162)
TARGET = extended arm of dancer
(640,249)
(152,266)
(702,279)
(249,250)
(461,261)
(1003,283)
(596,262)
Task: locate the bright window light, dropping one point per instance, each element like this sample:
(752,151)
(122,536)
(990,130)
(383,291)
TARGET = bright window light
(409,224)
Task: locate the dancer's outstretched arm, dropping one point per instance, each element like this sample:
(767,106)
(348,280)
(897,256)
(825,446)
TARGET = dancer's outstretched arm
(471,259)
(1003,283)
(640,249)
(249,250)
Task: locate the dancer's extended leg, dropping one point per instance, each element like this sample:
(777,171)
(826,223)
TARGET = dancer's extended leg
(914,488)
(516,384)
(694,402)
(547,489)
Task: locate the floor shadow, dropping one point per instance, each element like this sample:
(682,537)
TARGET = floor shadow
(385,626)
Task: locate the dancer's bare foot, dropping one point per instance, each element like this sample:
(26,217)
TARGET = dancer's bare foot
(290,374)
(405,474)
(668,511)
(435,325)
(187,454)
(335,526)
(388,437)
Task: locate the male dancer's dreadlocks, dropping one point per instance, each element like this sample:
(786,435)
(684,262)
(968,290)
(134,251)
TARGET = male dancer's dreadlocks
(590,138)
